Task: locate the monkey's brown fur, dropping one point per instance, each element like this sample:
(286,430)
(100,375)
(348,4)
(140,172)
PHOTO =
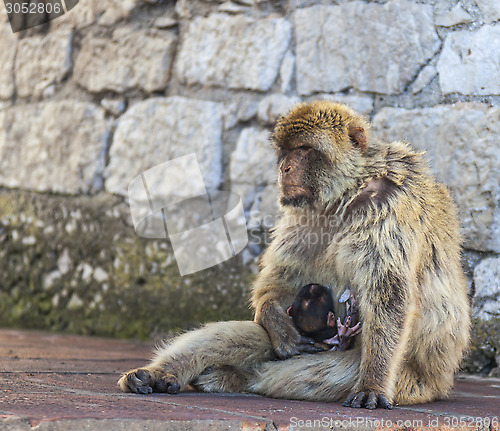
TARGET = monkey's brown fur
(385,229)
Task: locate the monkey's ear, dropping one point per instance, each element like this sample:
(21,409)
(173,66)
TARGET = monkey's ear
(331,321)
(358,137)
(289,311)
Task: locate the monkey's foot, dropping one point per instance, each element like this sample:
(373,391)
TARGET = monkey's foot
(368,400)
(145,381)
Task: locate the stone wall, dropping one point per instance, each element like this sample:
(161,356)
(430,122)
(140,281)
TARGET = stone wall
(115,87)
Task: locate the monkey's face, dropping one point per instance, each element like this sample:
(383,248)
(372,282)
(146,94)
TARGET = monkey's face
(298,172)
(321,146)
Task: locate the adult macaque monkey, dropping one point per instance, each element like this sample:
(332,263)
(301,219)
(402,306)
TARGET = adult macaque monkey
(358,213)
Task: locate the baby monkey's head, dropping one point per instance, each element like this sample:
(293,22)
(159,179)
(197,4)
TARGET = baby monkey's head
(312,312)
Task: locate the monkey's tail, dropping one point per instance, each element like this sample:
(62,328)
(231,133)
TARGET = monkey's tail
(326,376)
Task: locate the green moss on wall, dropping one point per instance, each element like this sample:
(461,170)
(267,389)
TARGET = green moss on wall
(485,348)
(76,264)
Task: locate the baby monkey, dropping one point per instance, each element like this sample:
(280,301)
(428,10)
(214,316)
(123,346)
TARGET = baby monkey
(313,315)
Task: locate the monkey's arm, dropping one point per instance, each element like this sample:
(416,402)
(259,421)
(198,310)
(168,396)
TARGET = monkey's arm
(386,308)
(270,294)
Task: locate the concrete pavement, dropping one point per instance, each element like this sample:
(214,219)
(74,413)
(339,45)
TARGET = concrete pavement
(66,382)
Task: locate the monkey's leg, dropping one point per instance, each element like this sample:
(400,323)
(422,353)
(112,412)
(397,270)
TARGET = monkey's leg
(416,386)
(429,366)
(177,363)
(325,376)
(224,378)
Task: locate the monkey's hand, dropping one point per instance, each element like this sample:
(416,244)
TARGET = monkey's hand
(368,399)
(345,334)
(285,338)
(146,381)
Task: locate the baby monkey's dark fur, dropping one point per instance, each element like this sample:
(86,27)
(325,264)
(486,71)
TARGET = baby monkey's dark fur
(311,311)
(313,315)
(357,213)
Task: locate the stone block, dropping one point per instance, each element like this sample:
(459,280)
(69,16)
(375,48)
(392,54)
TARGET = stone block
(161,129)
(43,60)
(470,62)
(126,61)
(53,147)
(8,45)
(487,282)
(233,51)
(389,45)
(461,142)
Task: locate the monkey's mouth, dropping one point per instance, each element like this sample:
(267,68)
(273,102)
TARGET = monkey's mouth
(295,189)
(296,195)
